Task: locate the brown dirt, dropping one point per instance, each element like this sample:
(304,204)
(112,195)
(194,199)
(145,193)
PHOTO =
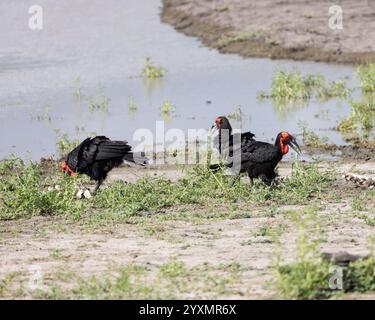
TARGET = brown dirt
(27,246)
(294,29)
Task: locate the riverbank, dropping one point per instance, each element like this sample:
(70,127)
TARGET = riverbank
(278,30)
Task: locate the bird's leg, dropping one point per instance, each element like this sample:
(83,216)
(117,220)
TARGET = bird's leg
(251,181)
(234,180)
(265,180)
(97,185)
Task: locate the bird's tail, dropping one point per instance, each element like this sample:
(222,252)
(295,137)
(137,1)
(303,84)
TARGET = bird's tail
(137,158)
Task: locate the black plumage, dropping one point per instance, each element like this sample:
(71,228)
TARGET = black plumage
(258,159)
(97,156)
(225,138)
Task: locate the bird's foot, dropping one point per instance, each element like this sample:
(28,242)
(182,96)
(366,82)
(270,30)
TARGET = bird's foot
(84,193)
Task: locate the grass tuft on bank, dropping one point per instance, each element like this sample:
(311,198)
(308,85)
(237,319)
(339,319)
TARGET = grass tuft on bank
(25,191)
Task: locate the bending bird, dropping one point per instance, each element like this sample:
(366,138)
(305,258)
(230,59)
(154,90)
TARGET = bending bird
(97,156)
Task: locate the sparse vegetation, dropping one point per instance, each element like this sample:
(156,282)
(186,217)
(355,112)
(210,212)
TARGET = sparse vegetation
(228,39)
(362,118)
(24,192)
(294,87)
(311,139)
(366,74)
(132,106)
(100,102)
(172,279)
(150,71)
(65,144)
(168,108)
(309,277)
(78,90)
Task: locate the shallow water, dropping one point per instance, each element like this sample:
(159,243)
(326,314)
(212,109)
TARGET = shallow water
(105,43)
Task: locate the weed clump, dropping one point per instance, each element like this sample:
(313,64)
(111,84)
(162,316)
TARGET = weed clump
(311,277)
(361,119)
(65,145)
(150,71)
(366,74)
(100,102)
(294,87)
(25,191)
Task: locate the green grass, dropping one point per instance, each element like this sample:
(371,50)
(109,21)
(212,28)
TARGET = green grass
(170,280)
(25,192)
(293,87)
(99,102)
(65,144)
(168,108)
(309,276)
(228,39)
(311,139)
(132,106)
(150,71)
(362,118)
(366,74)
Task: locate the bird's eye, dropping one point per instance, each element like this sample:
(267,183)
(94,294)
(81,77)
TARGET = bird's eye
(285,135)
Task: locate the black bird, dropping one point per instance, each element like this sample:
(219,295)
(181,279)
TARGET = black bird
(97,156)
(224,138)
(259,159)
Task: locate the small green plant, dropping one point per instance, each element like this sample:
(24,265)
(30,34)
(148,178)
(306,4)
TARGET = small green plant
(168,108)
(357,204)
(150,71)
(237,114)
(228,39)
(311,139)
(362,117)
(78,90)
(308,277)
(360,276)
(45,116)
(173,269)
(366,74)
(132,107)
(65,144)
(334,89)
(100,101)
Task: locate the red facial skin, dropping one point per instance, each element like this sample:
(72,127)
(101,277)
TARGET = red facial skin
(284,147)
(218,122)
(65,168)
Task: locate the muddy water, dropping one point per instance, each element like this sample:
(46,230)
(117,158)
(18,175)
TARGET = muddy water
(105,44)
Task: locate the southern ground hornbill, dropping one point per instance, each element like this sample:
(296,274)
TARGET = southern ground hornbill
(258,159)
(97,156)
(224,138)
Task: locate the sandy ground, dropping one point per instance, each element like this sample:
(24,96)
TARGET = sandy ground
(39,248)
(292,29)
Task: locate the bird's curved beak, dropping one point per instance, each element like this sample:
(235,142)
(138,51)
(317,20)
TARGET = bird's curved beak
(292,142)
